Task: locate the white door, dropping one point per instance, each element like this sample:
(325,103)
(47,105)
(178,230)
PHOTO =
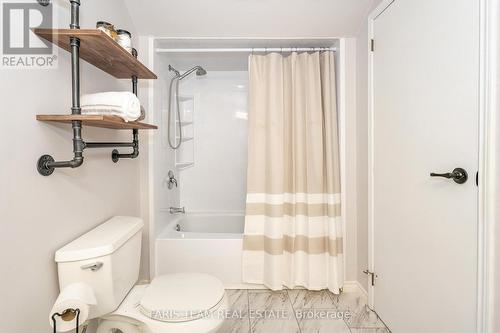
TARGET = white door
(425,119)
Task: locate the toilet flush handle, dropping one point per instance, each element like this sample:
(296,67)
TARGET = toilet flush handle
(93,266)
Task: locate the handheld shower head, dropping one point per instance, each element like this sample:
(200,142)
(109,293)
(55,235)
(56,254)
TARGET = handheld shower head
(174,82)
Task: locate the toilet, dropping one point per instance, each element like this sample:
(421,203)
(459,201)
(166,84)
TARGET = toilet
(107,259)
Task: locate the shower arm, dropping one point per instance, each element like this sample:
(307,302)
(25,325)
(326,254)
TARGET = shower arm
(188,72)
(46,163)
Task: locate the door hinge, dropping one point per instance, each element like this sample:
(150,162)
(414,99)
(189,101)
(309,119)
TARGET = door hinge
(372,45)
(373,276)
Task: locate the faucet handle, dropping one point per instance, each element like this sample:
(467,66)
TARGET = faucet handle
(171,180)
(177,210)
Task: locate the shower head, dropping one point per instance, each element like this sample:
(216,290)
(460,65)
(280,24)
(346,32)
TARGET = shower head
(200,71)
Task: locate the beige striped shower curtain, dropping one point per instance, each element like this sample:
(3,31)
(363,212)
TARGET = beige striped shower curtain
(293,226)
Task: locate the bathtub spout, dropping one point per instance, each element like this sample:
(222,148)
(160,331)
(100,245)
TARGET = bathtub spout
(177,210)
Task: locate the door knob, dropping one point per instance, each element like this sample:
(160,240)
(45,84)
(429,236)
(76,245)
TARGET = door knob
(459,175)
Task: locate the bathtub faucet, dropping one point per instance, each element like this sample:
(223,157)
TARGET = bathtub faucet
(177,210)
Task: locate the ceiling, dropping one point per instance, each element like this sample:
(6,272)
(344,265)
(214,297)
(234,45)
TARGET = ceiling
(248,18)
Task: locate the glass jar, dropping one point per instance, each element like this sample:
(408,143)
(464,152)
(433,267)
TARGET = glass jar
(107,28)
(124,39)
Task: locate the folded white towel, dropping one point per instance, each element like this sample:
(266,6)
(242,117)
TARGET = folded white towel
(122,104)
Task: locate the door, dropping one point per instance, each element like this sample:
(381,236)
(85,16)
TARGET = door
(425,119)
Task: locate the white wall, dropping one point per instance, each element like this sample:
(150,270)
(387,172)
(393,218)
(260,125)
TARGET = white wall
(217,181)
(349,153)
(249,18)
(161,158)
(41,214)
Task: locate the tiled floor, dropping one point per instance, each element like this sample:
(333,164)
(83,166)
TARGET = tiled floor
(299,311)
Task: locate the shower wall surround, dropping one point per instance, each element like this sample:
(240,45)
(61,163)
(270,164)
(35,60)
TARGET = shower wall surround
(215,185)
(217,180)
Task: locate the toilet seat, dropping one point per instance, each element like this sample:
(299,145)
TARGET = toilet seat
(144,304)
(181,297)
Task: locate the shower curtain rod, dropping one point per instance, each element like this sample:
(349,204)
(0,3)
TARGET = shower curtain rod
(247,50)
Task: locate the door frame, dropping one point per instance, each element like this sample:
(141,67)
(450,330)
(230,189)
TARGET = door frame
(489,15)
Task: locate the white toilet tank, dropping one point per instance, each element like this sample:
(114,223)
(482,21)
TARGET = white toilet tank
(107,258)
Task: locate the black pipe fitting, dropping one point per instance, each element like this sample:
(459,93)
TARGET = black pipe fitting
(109,144)
(115,154)
(75,14)
(46,164)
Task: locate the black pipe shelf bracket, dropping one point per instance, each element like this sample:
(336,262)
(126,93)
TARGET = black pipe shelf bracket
(46,163)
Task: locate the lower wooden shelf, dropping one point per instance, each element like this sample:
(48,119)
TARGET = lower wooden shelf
(111,122)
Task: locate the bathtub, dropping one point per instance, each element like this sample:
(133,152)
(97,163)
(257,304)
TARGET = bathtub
(203,243)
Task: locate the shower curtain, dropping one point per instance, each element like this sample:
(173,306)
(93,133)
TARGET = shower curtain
(293,228)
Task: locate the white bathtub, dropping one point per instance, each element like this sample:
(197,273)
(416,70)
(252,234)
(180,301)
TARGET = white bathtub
(206,243)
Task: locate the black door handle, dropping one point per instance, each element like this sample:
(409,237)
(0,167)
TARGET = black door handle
(459,175)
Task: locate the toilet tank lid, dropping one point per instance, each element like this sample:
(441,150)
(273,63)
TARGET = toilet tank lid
(102,240)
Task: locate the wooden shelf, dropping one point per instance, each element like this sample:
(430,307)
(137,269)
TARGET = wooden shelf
(112,122)
(100,50)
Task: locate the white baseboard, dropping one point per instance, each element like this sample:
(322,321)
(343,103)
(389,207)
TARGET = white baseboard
(355,287)
(349,287)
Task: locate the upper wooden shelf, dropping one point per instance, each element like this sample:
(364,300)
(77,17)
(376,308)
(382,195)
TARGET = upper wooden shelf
(100,50)
(112,122)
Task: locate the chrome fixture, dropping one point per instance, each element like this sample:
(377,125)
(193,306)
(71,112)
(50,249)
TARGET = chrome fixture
(251,50)
(200,71)
(177,210)
(95,266)
(171,180)
(44,3)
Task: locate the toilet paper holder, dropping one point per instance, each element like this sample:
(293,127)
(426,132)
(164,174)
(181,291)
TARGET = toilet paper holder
(68,315)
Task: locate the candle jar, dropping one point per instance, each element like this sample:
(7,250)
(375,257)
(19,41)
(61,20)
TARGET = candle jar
(107,28)
(124,38)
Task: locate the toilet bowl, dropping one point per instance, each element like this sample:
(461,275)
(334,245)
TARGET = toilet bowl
(107,259)
(180,303)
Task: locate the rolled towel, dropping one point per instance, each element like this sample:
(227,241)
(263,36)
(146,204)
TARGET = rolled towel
(122,104)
